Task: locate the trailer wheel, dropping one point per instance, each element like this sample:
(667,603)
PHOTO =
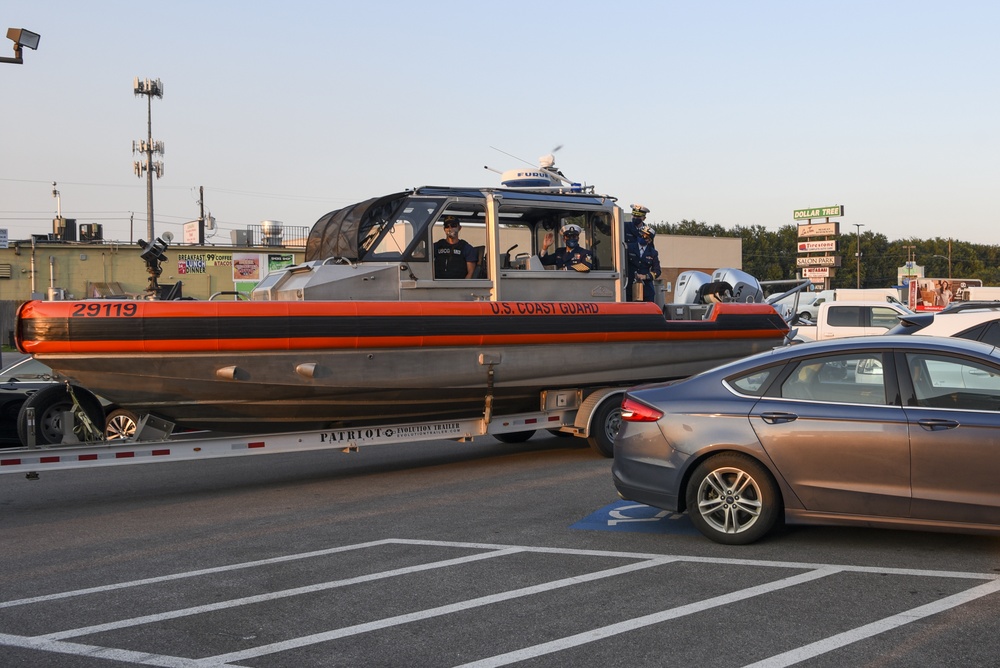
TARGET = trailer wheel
(49,405)
(604,426)
(515,436)
(120,424)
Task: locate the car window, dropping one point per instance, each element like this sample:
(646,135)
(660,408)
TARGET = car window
(756,382)
(950,382)
(973,333)
(857,378)
(844,316)
(884,317)
(990,334)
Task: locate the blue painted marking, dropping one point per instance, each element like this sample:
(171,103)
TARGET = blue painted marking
(636,517)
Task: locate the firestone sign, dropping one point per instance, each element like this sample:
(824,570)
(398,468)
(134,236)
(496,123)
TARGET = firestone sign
(819,212)
(825,246)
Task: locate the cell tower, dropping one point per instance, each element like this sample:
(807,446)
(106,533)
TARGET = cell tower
(150,88)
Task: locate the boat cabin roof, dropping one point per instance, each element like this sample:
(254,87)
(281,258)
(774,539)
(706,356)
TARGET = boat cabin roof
(507,227)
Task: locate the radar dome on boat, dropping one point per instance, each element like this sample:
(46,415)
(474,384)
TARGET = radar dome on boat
(528,178)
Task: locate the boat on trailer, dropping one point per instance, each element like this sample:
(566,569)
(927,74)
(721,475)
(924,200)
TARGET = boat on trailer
(363,333)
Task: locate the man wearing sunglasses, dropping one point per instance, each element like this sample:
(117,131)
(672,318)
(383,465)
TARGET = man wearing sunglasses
(453,257)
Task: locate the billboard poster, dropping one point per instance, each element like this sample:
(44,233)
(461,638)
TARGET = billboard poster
(191,264)
(246,267)
(934,294)
(276,261)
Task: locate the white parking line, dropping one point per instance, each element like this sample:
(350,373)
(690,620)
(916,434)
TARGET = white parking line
(868,630)
(646,620)
(285,593)
(315,638)
(55,642)
(95,652)
(191,574)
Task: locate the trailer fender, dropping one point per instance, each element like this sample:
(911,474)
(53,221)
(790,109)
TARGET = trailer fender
(599,418)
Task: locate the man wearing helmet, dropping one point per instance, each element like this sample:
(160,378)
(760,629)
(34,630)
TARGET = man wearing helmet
(569,256)
(453,257)
(643,265)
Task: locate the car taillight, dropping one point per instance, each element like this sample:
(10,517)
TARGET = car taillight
(635,411)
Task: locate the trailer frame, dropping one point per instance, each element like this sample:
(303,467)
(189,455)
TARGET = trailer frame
(564,410)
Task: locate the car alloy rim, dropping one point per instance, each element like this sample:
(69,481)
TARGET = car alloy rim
(120,427)
(729,500)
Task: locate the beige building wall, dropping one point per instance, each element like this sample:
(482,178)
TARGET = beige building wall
(84,270)
(683,253)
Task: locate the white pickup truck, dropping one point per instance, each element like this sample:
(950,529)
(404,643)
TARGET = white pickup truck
(809,302)
(851,318)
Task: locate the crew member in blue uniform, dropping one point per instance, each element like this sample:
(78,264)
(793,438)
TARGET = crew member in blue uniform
(453,257)
(638,222)
(643,264)
(569,256)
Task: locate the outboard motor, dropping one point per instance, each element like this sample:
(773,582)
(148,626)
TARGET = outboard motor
(689,287)
(745,288)
(715,292)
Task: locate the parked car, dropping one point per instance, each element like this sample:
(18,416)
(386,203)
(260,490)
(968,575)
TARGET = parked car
(797,306)
(885,431)
(838,319)
(977,321)
(29,376)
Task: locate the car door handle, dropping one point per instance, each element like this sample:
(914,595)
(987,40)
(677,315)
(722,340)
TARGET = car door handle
(938,425)
(773,417)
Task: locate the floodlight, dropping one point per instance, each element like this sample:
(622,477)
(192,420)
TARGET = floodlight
(21,38)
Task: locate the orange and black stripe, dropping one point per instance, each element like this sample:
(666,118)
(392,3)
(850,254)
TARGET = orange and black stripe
(113,326)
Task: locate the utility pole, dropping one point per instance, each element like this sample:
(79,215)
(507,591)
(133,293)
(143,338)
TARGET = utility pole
(150,88)
(201,215)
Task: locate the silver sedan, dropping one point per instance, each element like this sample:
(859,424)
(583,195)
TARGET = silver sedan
(885,431)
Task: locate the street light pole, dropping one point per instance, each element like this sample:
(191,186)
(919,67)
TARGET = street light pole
(949,258)
(858,227)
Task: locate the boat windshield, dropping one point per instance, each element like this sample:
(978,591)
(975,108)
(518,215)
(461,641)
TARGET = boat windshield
(393,237)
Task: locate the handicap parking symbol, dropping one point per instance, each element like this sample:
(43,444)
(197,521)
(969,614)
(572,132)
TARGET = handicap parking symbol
(636,517)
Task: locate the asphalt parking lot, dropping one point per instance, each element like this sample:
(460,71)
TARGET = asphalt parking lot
(452,555)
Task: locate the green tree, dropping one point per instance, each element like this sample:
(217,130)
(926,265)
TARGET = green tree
(772,254)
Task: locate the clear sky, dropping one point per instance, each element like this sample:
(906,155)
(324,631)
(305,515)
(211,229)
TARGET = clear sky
(730,113)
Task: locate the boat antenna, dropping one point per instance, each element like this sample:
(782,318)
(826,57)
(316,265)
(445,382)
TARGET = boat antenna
(511,155)
(546,163)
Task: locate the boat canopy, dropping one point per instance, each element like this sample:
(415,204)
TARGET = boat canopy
(342,233)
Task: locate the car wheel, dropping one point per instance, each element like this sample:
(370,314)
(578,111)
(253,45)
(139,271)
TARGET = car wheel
(515,436)
(604,426)
(732,499)
(50,404)
(120,425)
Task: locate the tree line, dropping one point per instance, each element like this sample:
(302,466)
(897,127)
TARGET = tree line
(771,255)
